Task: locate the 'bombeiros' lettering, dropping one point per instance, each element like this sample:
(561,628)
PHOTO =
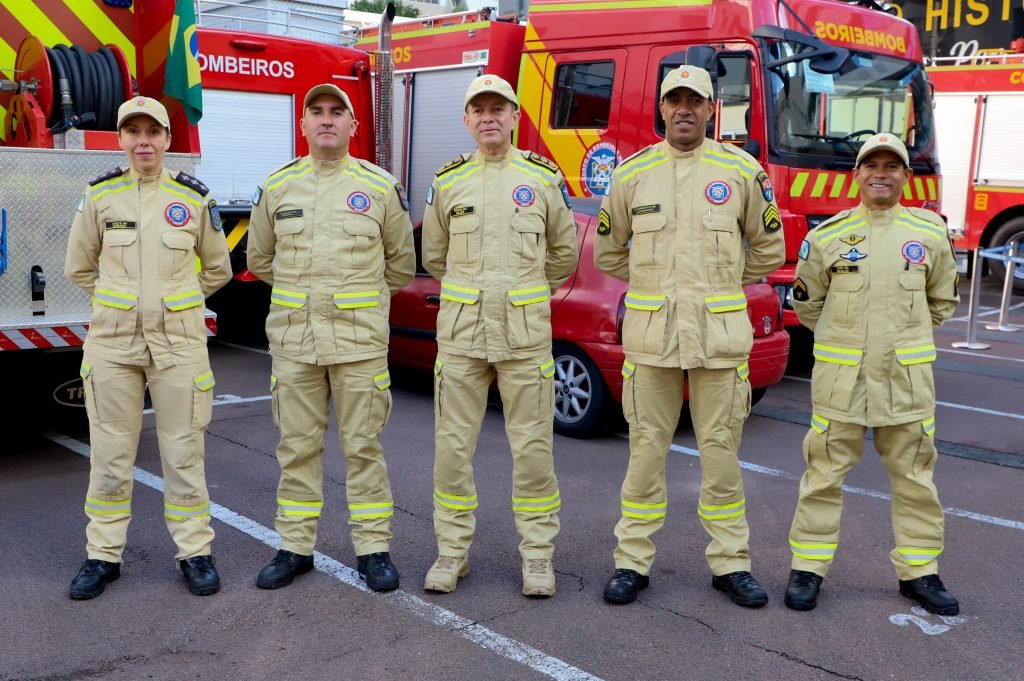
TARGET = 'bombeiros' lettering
(246,66)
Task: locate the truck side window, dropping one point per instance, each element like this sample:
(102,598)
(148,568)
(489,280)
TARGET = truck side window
(583,95)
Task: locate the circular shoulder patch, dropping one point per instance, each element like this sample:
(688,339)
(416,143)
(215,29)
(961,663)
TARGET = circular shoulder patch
(524,195)
(358,202)
(717,192)
(913,252)
(177,214)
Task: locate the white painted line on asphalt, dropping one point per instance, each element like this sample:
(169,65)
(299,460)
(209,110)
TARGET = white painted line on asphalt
(248,348)
(982,355)
(987,313)
(228,399)
(488,639)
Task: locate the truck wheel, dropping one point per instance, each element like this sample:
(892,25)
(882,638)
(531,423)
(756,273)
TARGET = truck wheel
(581,396)
(1011,230)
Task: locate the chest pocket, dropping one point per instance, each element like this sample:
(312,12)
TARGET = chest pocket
(464,240)
(119,254)
(292,249)
(363,247)
(177,257)
(912,306)
(650,242)
(528,239)
(723,244)
(844,302)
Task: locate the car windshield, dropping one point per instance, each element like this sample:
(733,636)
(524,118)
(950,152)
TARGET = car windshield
(831,115)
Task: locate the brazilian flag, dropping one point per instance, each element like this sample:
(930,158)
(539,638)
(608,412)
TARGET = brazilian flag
(182,79)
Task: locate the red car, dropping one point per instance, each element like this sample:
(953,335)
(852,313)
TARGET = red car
(586,321)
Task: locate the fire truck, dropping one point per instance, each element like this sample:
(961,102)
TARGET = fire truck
(64,69)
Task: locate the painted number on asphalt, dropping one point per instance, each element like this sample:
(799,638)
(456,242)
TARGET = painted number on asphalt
(919,618)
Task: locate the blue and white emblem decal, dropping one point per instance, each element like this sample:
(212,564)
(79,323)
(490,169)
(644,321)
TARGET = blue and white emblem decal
(805,249)
(430,195)
(596,169)
(565,194)
(524,195)
(853,255)
(218,224)
(717,192)
(257,195)
(177,214)
(358,202)
(81,204)
(913,252)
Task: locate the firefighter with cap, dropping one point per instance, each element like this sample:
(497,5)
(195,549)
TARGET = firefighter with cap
(331,234)
(688,222)
(133,247)
(499,234)
(872,283)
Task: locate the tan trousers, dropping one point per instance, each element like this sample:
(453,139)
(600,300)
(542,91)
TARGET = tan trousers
(831,450)
(362,406)
(183,403)
(719,404)
(460,401)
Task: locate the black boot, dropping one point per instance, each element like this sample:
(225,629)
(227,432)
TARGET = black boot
(931,594)
(378,571)
(625,586)
(742,588)
(802,590)
(283,569)
(92,579)
(201,575)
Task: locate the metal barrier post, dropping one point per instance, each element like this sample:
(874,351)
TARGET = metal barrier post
(1007,291)
(972,309)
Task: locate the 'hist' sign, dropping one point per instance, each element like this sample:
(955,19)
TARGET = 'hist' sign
(966,28)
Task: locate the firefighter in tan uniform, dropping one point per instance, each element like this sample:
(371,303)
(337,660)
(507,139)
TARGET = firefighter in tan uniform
(498,233)
(674,226)
(133,248)
(872,283)
(331,235)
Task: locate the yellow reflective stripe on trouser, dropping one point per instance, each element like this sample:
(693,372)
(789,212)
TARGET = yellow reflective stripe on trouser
(813,551)
(291,507)
(928,425)
(917,355)
(527,296)
(632,509)
(183,301)
(722,511)
(819,424)
(348,301)
(378,509)
(536,504)
(736,301)
(204,381)
(454,501)
(628,369)
(122,301)
(743,371)
(917,556)
(835,355)
(459,294)
(273,383)
(85,371)
(175,512)
(120,507)
(437,366)
(294,299)
(382,381)
(636,301)
(547,369)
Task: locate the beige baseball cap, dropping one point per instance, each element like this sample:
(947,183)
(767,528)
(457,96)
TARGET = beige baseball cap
(143,106)
(693,77)
(881,142)
(489,83)
(328,89)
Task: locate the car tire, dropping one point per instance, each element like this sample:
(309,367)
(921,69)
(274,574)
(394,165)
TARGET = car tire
(581,410)
(756,395)
(1010,230)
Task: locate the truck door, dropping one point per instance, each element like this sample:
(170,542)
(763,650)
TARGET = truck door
(955,113)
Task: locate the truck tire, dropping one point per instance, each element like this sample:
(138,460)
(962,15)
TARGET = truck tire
(1011,230)
(582,400)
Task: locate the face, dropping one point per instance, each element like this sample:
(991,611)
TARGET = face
(328,127)
(686,115)
(881,177)
(490,119)
(144,141)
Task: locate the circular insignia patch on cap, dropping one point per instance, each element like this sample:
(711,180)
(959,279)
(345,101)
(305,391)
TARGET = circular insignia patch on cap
(684,74)
(913,252)
(140,103)
(523,195)
(177,214)
(488,82)
(358,202)
(717,192)
(883,138)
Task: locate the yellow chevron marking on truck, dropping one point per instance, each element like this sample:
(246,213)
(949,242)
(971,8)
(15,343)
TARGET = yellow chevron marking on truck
(100,25)
(35,22)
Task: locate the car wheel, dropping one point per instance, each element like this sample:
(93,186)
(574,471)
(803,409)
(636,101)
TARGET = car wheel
(581,396)
(756,395)
(1011,230)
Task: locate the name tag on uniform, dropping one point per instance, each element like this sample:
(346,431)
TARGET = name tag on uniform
(644,210)
(285,214)
(120,224)
(459,211)
(844,269)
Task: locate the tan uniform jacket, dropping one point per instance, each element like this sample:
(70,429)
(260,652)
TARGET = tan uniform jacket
(334,241)
(872,285)
(499,234)
(133,247)
(674,226)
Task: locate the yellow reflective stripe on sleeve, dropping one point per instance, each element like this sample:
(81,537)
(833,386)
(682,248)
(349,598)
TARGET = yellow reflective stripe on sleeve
(175,512)
(454,501)
(636,301)
(836,355)
(913,555)
(119,507)
(532,171)
(382,381)
(304,509)
(536,504)
(204,381)
(85,371)
(111,187)
(358,299)
(928,426)
(729,303)
(628,369)
(378,509)
(910,222)
(437,366)
(722,511)
(529,296)
(122,301)
(447,180)
(293,299)
(641,165)
(743,371)
(183,193)
(184,301)
(633,509)
(917,355)
(819,424)
(730,162)
(372,180)
(289,173)
(459,294)
(813,551)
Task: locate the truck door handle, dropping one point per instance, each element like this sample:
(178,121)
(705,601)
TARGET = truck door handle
(433,298)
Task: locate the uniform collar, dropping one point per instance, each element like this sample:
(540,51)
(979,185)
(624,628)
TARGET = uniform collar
(880,217)
(146,179)
(675,153)
(480,157)
(330,166)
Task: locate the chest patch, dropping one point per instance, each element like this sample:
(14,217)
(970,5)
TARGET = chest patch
(177,214)
(645,210)
(523,195)
(459,211)
(285,214)
(853,255)
(844,269)
(913,252)
(358,202)
(852,240)
(717,192)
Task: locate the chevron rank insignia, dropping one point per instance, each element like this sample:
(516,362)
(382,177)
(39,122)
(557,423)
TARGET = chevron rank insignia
(800,290)
(604,223)
(772,221)
(852,240)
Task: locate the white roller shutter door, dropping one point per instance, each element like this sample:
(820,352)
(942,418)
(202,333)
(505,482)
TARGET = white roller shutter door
(954,114)
(1000,161)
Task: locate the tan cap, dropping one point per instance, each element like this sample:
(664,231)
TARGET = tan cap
(489,83)
(881,142)
(143,106)
(693,77)
(328,89)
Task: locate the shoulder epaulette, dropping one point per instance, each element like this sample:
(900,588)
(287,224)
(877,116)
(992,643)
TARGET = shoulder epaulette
(192,183)
(377,170)
(451,165)
(543,162)
(930,216)
(641,161)
(731,157)
(840,223)
(637,155)
(924,221)
(289,164)
(116,172)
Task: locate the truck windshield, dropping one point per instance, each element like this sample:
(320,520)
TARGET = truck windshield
(831,115)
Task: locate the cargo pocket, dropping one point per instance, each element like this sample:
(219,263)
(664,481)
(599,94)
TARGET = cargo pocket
(438,391)
(628,398)
(528,240)
(912,307)
(286,318)
(183,319)
(646,248)
(202,400)
(118,255)
(546,400)
(729,334)
(363,248)
(90,396)
(646,323)
(459,315)
(912,383)
(359,318)
(529,317)
(178,256)
(464,240)
(741,399)
(113,317)
(275,407)
(722,240)
(834,376)
(380,403)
